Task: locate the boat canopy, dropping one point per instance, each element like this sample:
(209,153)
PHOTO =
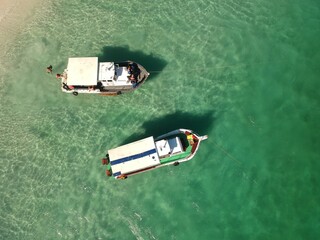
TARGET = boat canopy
(82,71)
(133,157)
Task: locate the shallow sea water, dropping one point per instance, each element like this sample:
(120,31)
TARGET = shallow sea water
(244,72)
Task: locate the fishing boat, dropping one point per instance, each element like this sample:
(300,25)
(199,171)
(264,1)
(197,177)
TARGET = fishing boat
(150,153)
(88,75)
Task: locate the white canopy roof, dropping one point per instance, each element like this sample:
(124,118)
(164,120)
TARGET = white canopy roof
(134,156)
(82,71)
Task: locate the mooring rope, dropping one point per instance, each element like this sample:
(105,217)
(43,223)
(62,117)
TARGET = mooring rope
(227,153)
(211,67)
(240,164)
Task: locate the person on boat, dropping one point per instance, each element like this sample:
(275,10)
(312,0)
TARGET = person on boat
(190,138)
(133,72)
(58,75)
(129,69)
(131,77)
(49,69)
(130,72)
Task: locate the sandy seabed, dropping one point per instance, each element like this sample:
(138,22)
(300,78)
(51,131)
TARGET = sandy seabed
(14,14)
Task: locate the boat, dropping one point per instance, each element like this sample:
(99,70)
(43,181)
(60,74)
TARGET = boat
(150,153)
(88,75)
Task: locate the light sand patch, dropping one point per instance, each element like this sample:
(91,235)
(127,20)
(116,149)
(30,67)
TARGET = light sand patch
(14,15)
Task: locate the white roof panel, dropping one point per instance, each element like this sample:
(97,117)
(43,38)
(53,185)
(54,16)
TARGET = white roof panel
(134,156)
(82,71)
(167,147)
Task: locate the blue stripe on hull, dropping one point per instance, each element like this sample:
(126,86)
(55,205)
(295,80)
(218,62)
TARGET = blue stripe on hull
(133,157)
(116,174)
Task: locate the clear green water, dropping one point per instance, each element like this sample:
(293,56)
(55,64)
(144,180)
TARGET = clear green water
(244,72)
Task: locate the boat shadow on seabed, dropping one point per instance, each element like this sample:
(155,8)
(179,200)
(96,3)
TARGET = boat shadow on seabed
(200,123)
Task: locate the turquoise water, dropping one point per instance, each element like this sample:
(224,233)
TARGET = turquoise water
(246,73)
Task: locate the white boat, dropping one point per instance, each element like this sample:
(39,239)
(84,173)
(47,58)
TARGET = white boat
(88,75)
(149,153)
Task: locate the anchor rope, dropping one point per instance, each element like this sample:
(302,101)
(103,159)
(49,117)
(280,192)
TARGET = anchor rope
(240,164)
(227,153)
(202,68)
(238,65)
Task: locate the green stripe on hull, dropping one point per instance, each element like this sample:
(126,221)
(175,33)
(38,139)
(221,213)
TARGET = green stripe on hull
(109,167)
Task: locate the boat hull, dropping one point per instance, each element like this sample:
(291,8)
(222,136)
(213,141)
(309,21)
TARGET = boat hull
(104,88)
(172,148)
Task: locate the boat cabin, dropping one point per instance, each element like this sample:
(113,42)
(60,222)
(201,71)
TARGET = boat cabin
(167,147)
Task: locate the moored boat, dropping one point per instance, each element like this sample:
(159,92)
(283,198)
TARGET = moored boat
(149,153)
(88,75)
